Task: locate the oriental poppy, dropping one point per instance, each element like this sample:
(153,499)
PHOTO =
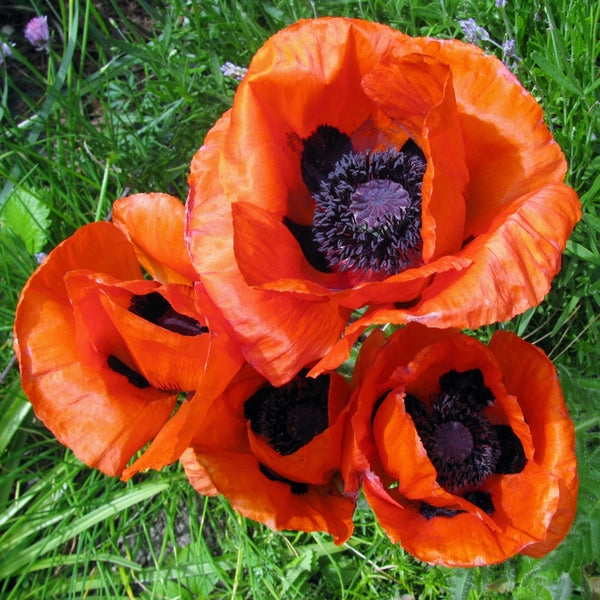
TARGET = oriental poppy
(105,353)
(275,452)
(361,167)
(466,452)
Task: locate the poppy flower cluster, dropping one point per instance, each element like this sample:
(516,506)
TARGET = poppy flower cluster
(362,177)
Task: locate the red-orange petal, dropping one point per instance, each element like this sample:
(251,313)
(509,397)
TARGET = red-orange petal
(90,408)
(390,451)
(154,225)
(418,94)
(220,366)
(508,148)
(223,460)
(278,334)
(527,370)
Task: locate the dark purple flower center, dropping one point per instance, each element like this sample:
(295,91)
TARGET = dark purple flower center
(464,447)
(296,487)
(290,416)
(118,366)
(367,205)
(154,308)
(452,441)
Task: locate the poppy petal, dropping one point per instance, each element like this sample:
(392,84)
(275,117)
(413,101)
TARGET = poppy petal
(399,478)
(509,150)
(154,225)
(90,408)
(222,364)
(533,375)
(514,261)
(278,334)
(239,478)
(417,93)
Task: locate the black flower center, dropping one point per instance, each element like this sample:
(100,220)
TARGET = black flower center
(156,309)
(296,487)
(290,416)
(464,447)
(452,442)
(135,378)
(367,205)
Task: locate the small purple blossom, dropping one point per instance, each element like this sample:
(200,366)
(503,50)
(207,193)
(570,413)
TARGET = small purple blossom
(500,3)
(509,48)
(231,70)
(473,32)
(37,33)
(5,51)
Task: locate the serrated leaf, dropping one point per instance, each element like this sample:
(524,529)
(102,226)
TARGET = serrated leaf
(28,218)
(460,583)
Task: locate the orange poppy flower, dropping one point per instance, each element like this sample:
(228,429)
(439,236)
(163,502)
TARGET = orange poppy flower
(362,167)
(275,452)
(466,452)
(105,353)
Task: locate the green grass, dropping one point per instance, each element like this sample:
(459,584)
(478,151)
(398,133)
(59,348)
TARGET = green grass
(119,106)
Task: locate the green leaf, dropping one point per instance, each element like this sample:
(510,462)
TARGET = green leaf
(555,73)
(20,558)
(27,217)
(14,410)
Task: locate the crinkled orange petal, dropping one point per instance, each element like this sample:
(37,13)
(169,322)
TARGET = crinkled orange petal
(279,265)
(90,408)
(417,93)
(154,225)
(328,57)
(508,148)
(464,540)
(278,334)
(222,461)
(209,228)
(197,475)
(527,370)
(222,364)
(238,478)
(513,263)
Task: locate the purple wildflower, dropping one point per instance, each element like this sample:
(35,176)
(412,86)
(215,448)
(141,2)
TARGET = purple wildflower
(500,3)
(5,51)
(37,33)
(509,48)
(231,70)
(473,32)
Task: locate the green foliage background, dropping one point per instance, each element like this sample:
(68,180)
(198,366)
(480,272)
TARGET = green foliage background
(120,105)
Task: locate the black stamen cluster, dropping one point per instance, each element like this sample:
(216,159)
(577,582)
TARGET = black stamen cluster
(118,366)
(290,416)
(459,470)
(368,212)
(296,487)
(464,447)
(156,309)
(320,152)
(479,498)
(470,386)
